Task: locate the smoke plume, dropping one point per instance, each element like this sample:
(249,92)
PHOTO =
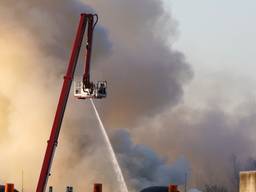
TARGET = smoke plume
(209,138)
(130,51)
(146,78)
(144,167)
(145,75)
(34,49)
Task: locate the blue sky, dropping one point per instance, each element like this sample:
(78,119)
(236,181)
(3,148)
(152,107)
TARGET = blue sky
(218,38)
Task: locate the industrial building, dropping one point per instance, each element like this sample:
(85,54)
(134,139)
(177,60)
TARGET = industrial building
(247,181)
(170,188)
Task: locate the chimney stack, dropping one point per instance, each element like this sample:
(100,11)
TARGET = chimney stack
(69,189)
(50,189)
(9,187)
(97,187)
(173,188)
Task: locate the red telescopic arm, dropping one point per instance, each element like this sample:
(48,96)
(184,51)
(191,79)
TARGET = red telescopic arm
(52,142)
(86,77)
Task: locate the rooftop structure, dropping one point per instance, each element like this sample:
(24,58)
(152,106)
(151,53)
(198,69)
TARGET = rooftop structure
(247,181)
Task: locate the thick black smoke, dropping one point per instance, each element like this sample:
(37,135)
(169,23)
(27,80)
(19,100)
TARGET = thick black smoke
(143,167)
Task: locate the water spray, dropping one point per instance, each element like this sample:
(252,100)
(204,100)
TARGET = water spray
(116,166)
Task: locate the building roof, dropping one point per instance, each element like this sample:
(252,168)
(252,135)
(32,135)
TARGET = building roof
(155,189)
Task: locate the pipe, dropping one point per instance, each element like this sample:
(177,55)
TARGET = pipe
(97,187)
(172,188)
(9,187)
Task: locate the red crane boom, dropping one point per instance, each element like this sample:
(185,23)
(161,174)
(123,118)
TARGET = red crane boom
(53,141)
(91,25)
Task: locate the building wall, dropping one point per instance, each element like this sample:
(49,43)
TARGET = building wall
(247,181)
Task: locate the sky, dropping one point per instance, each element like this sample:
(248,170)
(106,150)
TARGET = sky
(218,39)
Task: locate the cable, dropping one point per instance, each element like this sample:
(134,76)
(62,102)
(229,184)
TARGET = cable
(97,18)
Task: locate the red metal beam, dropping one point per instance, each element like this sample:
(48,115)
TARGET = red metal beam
(52,142)
(86,77)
